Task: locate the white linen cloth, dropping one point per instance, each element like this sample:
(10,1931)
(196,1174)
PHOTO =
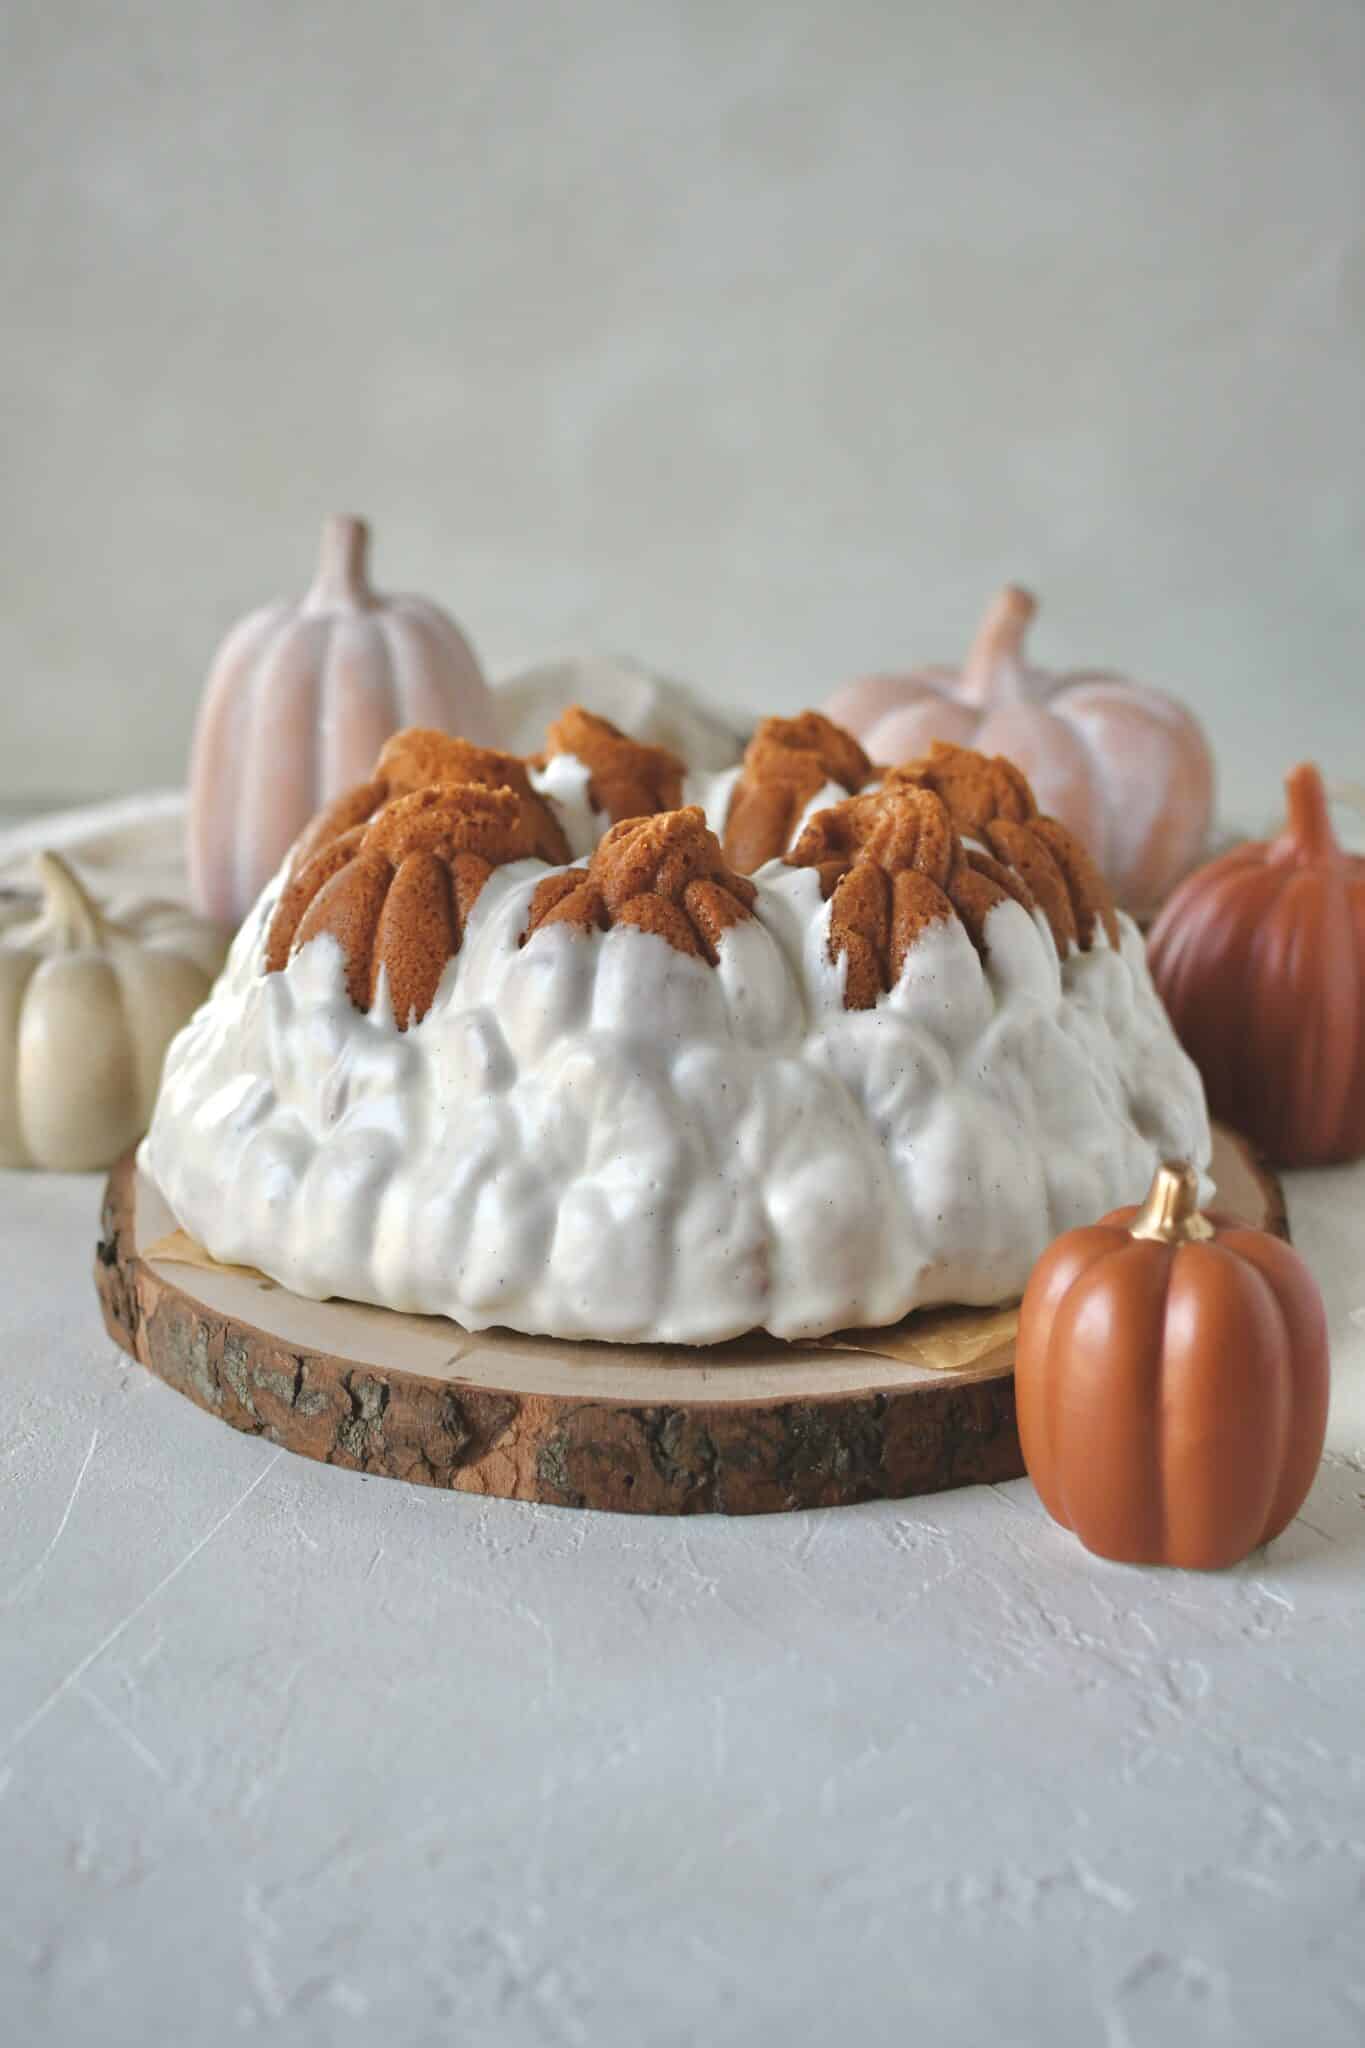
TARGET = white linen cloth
(132,843)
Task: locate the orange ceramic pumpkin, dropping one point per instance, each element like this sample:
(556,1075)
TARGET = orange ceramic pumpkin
(1172,1378)
(1125,768)
(1260,959)
(300,699)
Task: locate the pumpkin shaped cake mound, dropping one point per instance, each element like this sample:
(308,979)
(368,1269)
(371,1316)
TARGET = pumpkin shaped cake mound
(625,778)
(396,894)
(992,805)
(594,776)
(420,759)
(664,875)
(891,862)
(645,1097)
(891,865)
(791,767)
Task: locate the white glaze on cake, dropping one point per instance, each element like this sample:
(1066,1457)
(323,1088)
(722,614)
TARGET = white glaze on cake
(598,1136)
(563,782)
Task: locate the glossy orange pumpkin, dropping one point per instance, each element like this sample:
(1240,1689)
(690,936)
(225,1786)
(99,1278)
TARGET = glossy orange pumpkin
(1172,1379)
(1260,959)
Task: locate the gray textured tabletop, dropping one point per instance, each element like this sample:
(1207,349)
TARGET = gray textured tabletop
(294,1755)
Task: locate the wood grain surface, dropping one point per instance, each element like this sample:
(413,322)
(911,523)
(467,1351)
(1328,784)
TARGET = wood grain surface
(752,1427)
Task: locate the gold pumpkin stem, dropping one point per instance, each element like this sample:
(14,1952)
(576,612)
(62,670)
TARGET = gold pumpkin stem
(999,637)
(68,905)
(1170,1214)
(342,576)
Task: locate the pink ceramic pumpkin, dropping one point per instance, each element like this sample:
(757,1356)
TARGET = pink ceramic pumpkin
(299,701)
(1126,768)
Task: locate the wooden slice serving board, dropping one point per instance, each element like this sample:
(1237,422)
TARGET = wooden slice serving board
(752,1427)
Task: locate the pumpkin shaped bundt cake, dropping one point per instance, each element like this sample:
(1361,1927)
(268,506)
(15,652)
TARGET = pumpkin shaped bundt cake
(800,1046)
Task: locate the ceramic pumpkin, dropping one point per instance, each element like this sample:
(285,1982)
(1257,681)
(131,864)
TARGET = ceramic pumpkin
(88,1005)
(1126,768)
(1171,1376)
(299,700)
(1260,959)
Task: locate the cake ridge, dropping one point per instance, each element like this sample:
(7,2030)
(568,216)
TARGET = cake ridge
(421,758)
(396,893)
(626,777)
(786,764)
(664,874)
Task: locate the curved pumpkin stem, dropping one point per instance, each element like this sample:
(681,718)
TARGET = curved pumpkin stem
(68,906)
(999,639)
(1170,1214)
(342,574)
(1308,833)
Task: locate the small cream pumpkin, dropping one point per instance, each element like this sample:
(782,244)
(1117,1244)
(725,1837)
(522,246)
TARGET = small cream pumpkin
(88,1006)
(300,699)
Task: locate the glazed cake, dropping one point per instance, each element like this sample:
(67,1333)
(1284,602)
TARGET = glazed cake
(592,1045)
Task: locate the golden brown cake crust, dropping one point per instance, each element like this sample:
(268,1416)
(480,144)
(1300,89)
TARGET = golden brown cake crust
(1091,898)
(892,863)
(354,807)
(626,778)
(787,762)
(899,828)
(663,874)
(396,893)
(990,799)
(977,788)
(419,759)
(1019,849)
(393,869)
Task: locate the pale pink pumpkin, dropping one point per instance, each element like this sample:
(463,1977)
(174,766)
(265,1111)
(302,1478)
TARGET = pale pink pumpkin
(1126,768)
(299,701)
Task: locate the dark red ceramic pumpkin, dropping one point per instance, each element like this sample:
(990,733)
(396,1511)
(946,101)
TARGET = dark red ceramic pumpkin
(1260,959)
(1171,1375)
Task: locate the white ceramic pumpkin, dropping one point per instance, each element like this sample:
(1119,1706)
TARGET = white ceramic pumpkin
(299,701)
(1126,768)
(88,1006)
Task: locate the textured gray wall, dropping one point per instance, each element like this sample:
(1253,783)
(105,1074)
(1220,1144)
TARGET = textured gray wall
(759,338)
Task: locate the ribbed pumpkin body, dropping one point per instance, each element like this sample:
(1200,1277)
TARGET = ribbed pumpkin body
(88,1007)
(1260,960)
(1125,768)
(300,700)
(1172,1398)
